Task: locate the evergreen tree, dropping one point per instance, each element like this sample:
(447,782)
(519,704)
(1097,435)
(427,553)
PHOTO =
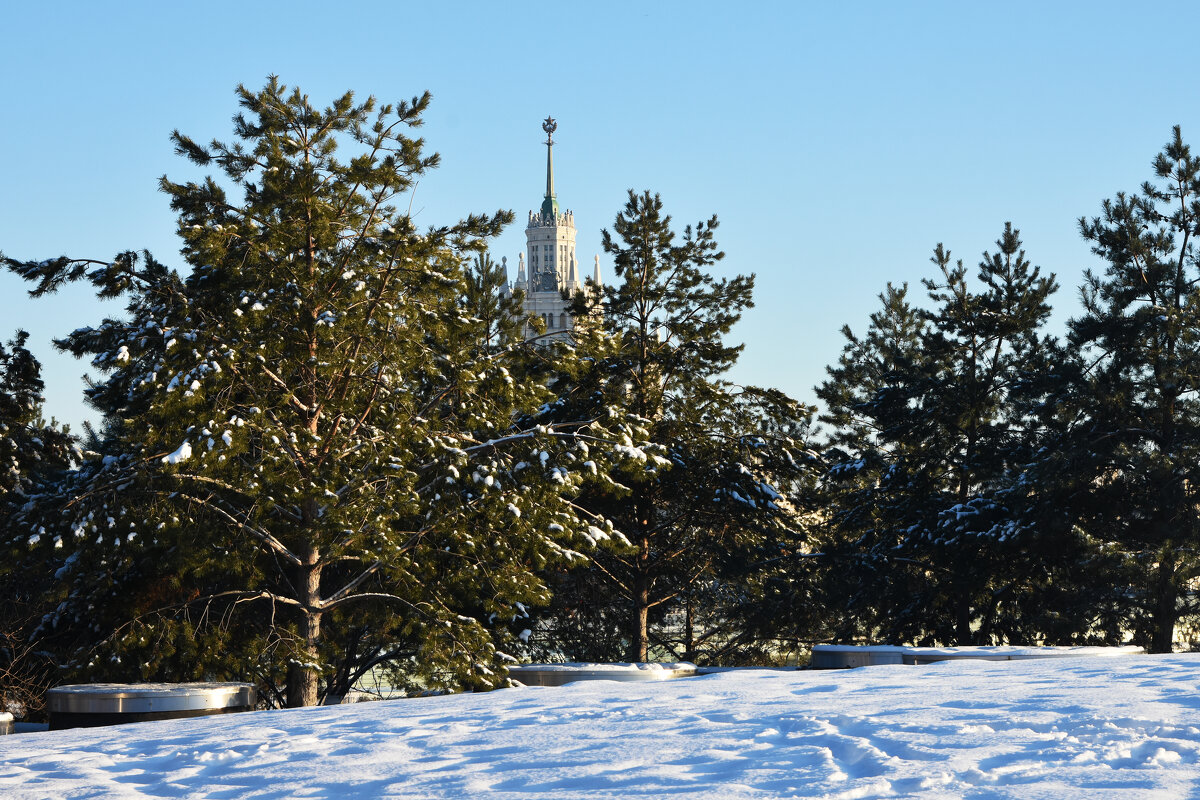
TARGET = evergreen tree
(876,378)
(936,421)
(699,495)
(309,439)
(498,313)
(32,452)
(1137,442)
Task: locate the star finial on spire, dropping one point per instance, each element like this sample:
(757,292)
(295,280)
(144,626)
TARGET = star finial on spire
(549,205)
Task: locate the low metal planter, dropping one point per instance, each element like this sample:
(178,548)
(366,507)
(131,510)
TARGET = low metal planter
(826,656)
(561,674)
(832,656)
(89,705)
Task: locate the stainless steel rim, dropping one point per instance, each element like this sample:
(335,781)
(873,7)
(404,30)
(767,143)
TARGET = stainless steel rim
(115,698)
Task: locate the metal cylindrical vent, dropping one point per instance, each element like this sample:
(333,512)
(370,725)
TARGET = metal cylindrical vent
(562,674)
(94,704)
(826,656)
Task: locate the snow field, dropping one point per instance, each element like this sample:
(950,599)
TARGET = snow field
(1053,728)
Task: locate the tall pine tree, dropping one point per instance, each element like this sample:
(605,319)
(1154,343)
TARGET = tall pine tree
(33,452)
(310,437)
(935,420)
(1137,442)
(699,490)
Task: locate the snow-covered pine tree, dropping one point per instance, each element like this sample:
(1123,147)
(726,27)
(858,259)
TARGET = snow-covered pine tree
(32,453)
(498,313)
(31,449)
(867,389)
(748,495)
(313,427)
(1138,444)
(699,490)
(936,421)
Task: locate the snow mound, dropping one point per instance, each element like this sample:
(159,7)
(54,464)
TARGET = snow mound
(1058,728)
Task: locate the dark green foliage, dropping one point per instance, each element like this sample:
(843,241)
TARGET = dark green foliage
(1136,444)
(700,491)
(32,453)
(31,450)
(497,313)
(937,416)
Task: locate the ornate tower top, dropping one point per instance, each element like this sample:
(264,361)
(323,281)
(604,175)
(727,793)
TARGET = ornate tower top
(550,204)
(548,270)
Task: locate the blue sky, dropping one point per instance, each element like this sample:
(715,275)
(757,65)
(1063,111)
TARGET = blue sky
(837,143)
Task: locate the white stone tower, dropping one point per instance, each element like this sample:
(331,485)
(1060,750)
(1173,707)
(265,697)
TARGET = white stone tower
(552,267)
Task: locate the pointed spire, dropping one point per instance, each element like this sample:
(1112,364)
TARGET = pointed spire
(521,270)
(571,274)
(550,204)
(596,274)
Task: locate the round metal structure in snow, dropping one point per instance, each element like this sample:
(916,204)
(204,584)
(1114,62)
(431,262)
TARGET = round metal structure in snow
(830,656)
(562,674)
(88,705)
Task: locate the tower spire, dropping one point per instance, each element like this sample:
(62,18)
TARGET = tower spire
(550,204)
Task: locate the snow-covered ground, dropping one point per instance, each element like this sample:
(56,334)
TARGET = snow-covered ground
(1055,728)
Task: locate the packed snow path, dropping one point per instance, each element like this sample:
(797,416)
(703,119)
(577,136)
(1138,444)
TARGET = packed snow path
(1058,728)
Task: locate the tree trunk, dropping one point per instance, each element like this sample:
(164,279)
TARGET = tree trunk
(963,636)
(1165,611)
(641,619)
(304,671)
(640,638)
(689,632)
(962,622)
(640,635)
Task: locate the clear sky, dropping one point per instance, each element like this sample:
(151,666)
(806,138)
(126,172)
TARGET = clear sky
(837,142)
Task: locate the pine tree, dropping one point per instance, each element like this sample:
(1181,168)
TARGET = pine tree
(935,418)
(877,377)
(698,489)
(497,312)
(310,438)
(31,449)
(32,453)
(1137,441)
